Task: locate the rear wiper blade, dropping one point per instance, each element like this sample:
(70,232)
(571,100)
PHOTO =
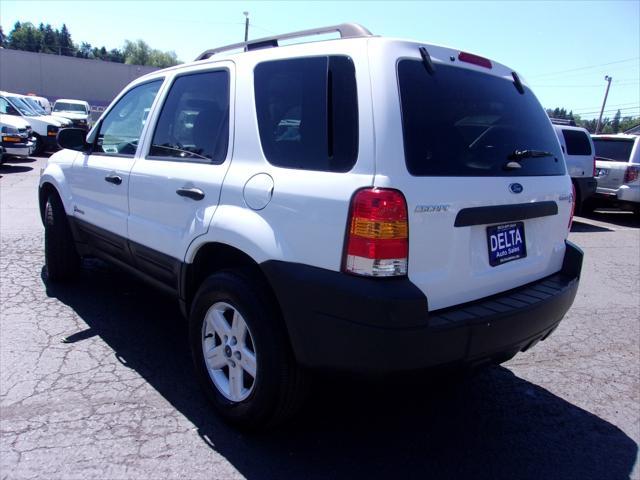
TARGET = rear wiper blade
(517,155)
(520,154)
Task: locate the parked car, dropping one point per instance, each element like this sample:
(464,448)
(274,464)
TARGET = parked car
(42,101)
(361,204)
(78,111)
(16,136)
(45,127)
(579,156)
(618,172)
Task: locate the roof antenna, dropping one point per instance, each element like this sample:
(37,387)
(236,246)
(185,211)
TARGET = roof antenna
(426,61)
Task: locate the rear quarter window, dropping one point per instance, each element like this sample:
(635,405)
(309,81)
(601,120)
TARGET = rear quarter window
(461,122)
(577,142)
(307,112)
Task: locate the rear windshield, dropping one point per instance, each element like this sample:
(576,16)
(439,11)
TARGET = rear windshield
(459,122)
(577,142)
(613,150)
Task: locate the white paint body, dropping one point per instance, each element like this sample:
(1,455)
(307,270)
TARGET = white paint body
(305,213)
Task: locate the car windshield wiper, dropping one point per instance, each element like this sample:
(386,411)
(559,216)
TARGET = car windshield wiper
(518,155)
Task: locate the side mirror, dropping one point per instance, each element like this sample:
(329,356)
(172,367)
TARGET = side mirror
(73,139)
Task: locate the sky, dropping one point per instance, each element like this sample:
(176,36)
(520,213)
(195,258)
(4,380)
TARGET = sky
(563,49)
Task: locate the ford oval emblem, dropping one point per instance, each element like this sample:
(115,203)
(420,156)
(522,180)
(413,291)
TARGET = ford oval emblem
(516,188)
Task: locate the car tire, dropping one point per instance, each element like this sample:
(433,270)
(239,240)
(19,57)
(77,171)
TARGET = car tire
(61,257)
(39,146)
(224,302)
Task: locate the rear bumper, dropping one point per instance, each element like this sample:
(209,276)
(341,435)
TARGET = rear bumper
(341,322)
(622,194)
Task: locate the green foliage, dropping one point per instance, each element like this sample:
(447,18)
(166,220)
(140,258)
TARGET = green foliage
(139,53)
(46,39)
(616,125)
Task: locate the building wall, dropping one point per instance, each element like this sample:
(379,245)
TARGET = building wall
(55,76)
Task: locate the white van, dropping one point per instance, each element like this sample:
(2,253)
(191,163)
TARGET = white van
(45,127)
(15,136)
(78,111)
(579,155)
(43,102)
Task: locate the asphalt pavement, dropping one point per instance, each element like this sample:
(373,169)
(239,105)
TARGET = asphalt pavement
(96,382)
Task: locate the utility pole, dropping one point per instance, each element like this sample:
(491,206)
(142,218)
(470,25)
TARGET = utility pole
(246,26)
(604,102)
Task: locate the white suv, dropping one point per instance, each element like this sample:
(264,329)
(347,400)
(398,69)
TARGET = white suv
(618,169)
(360,204)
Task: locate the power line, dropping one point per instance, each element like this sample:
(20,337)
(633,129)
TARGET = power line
(611,105)
(583,68)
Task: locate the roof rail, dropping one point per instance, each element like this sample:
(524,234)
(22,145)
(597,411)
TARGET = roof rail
(346,30)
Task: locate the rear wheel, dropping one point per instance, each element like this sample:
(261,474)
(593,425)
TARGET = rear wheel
(60,254)
(241,352)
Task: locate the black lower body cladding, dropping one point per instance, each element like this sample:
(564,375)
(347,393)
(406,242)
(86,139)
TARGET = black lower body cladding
(342,322)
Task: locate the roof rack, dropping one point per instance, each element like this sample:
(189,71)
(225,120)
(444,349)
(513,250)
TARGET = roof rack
(346,30)
(563,121)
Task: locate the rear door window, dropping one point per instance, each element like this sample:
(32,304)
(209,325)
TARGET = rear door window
(460,122)
(613,150)
(307,112)
(577,142)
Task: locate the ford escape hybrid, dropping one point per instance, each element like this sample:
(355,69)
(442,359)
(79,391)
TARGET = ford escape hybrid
(360,204)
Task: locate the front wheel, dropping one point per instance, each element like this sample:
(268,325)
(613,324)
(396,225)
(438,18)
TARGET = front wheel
(241,353)
(60,254)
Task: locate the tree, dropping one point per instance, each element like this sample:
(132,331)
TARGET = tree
(85,51)
(3,39)
(615,123)
(49,40)
(65,43)
(25,36)
(136,53)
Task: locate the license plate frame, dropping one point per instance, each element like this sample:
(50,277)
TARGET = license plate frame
(509,246)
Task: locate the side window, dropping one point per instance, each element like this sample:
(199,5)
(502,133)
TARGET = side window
(121,128)
(194,122)
(307,112)
(577,142)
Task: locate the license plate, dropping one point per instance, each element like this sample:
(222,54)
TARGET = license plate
(506,243)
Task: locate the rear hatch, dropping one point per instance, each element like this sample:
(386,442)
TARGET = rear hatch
(487,192)
(612,159)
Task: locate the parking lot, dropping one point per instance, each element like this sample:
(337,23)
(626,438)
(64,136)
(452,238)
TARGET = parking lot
(96,382)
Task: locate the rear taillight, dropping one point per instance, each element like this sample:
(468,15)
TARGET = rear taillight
(573,204)
(595,170)
(377,242)
(631,174)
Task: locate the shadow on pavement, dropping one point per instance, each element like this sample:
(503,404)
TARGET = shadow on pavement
(4,169)
(494,425)
(618,218)
(584,227)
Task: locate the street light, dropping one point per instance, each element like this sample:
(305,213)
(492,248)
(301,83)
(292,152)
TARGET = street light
(608,79)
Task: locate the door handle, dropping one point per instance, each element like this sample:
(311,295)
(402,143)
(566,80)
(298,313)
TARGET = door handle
(193,193)
(115,179)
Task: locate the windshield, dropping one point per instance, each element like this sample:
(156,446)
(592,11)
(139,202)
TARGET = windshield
(460,122)
(34,105)
(22,106)
(613,149)
(69,107)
